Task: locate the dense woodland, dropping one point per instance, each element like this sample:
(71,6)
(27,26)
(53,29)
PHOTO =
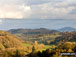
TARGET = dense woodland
(55,51)
(66,36)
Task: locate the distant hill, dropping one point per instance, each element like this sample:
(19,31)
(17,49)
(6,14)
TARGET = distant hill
(40,35)
(8,40)
(67,29)
(32,31)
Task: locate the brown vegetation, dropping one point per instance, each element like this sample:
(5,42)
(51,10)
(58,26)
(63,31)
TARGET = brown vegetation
(10,45)
(68,47)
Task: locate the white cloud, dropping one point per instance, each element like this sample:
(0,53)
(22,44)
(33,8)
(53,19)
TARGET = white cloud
(52,10)
(1,21)
(14,11)
(42,9)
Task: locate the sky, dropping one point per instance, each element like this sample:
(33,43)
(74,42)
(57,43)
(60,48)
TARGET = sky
(51,14)
(7,24)
(38,9)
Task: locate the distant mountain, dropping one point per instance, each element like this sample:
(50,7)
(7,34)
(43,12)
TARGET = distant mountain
(67,29)
(32,31)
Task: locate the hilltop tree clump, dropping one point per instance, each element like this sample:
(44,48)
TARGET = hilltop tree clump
(37,46)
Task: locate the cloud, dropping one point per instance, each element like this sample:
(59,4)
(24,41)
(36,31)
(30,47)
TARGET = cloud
(53,10)
(38,9)
(14,11)
(1,22)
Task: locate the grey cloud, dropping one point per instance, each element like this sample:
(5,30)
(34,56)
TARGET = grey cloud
(73,11)
(42,9)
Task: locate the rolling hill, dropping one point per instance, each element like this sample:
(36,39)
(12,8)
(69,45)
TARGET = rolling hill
(32,31)
(67,29)
(41,35)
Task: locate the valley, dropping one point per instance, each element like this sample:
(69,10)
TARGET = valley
(28,42)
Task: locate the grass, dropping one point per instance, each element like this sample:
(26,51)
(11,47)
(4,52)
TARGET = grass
(26,44)
(46,47)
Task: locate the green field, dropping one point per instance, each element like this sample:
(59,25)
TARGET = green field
(40,49)
(46,47)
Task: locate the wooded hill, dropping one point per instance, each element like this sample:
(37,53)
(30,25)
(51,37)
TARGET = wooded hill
(32,31)
(41,35)
(8,40)
(66,36)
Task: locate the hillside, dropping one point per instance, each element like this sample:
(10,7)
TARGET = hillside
(66,36)
(8,40)
(68,49)
(41,35)
(67,29)
(32,31)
